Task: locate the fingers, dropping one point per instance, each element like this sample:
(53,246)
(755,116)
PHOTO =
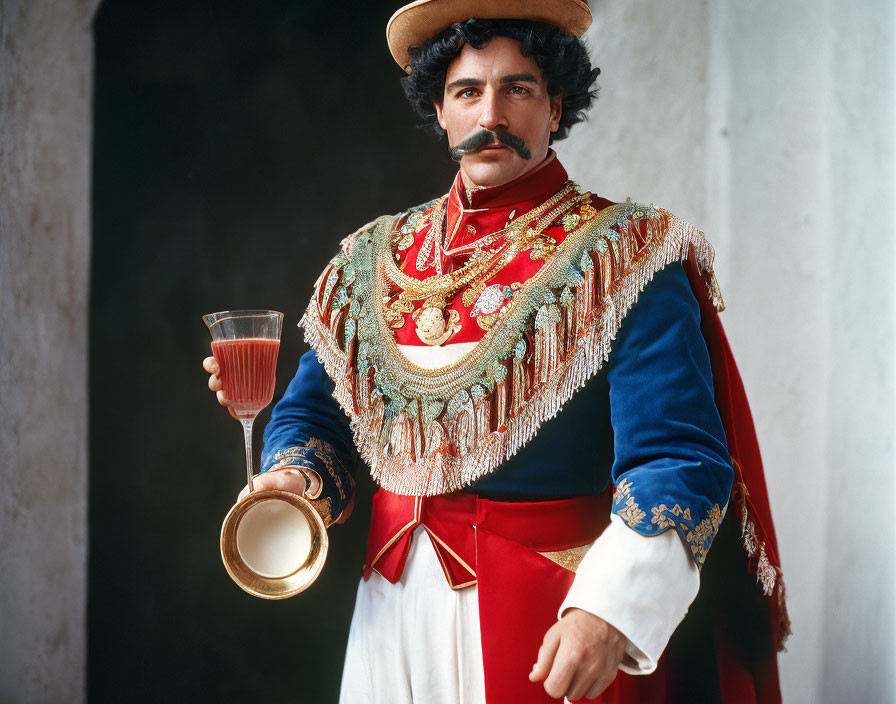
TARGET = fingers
(287,479)
(546,654)
(563,670)
(214,381)
(575,676)
(582,680)
(590,681)
(580,657)
(600,686)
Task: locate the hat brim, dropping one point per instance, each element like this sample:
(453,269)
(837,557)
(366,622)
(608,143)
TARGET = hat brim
(413,24)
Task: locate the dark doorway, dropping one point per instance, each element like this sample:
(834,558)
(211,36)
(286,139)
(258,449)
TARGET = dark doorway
(236,143)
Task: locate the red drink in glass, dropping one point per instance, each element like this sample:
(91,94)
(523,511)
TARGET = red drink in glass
(245,344)
(248,372)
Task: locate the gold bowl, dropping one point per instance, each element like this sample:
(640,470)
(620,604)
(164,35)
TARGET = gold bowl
(274,543)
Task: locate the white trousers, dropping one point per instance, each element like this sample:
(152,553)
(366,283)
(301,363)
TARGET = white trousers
(419,640)
(415,641)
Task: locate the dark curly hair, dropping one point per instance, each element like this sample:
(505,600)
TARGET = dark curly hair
(563,61)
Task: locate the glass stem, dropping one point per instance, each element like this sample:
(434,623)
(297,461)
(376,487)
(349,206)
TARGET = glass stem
(247,436)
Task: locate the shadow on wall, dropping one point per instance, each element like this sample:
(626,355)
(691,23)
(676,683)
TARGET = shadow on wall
(235,145)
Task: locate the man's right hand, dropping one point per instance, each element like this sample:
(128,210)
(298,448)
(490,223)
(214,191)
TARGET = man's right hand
(287,478)
(293,479)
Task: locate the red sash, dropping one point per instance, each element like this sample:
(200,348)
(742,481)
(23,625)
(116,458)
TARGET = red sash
(497,545)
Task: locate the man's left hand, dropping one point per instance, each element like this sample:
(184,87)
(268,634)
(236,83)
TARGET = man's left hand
(579,657)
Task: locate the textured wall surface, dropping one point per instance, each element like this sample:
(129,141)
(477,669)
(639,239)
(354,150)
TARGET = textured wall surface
(45,91)
(645,135)
(771,125)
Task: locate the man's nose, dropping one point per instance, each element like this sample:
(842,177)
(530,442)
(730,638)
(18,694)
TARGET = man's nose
(492,114)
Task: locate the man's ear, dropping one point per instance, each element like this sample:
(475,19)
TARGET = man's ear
(556,112)
(439,116)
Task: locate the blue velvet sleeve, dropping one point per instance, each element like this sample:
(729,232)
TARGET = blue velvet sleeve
(308,429)
(671,469)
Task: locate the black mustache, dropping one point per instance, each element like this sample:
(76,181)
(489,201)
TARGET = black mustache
(484,137)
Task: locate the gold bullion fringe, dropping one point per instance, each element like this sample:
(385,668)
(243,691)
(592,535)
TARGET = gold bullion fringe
(452,453)
(768,575)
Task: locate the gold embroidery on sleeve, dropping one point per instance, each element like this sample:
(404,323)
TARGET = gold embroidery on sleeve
(663,521)
(632,513)
(323,451)
(698,537)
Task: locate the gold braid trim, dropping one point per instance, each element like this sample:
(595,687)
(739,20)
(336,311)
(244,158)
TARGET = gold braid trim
(429,432)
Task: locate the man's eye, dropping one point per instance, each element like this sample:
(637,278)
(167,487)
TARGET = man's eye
(518,90)
(467,93)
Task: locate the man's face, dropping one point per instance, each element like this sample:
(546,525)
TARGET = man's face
(496,88)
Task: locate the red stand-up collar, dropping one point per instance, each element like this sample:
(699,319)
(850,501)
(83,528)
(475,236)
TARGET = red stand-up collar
(533,187)
(472,214)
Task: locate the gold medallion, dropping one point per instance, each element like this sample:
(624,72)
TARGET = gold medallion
(431,326)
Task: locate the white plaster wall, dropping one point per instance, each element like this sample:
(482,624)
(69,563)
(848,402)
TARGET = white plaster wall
(46,65)
(645,137)
(771,125)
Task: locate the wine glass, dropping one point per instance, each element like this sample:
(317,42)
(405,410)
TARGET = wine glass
(245,344)
(273,542)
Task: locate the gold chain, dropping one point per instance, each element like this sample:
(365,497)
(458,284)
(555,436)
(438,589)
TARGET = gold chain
(517,223)
(433,237)
(435,244)
(444,286)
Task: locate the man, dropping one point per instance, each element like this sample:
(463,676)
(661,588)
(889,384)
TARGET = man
(451,336)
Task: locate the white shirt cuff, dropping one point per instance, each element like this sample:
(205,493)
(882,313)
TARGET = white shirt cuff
(642,585)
